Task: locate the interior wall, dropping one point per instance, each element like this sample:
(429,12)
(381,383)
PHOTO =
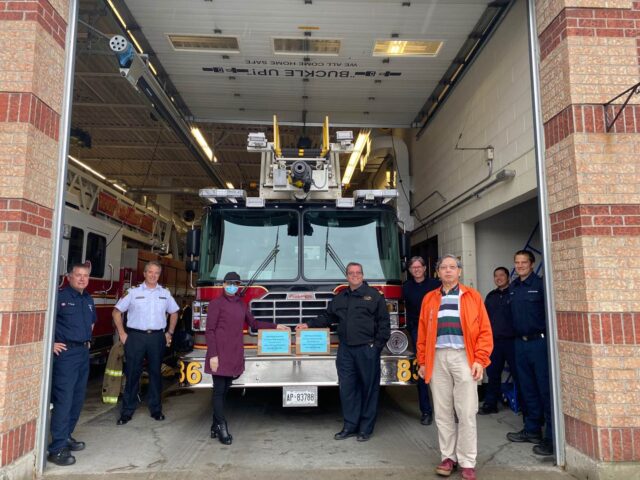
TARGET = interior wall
(500,236)
(490,106)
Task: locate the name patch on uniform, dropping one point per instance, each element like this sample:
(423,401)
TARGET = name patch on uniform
(532,291)
(139,298)
(162,298)
(367,297)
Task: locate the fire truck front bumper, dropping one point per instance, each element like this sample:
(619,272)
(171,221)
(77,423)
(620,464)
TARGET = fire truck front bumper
(278,371)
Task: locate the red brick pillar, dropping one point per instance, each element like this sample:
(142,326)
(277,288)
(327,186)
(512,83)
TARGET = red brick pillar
(589,54)
(32,47)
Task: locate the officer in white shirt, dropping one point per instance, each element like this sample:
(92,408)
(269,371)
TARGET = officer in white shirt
(147,306)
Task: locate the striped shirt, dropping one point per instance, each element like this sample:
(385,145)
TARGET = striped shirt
(449,328)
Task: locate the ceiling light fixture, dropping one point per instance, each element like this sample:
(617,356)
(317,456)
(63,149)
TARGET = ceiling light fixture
(87,167)
(117,13)
(230,185)
(135,42)
(153,69)
(197,134)
(363,137)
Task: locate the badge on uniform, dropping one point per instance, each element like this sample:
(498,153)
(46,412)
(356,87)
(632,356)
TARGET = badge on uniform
(366,297)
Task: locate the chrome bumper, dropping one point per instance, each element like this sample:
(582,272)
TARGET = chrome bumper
(293,370)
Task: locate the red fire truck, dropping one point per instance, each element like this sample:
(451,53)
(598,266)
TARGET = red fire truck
(290,246)
(117,237)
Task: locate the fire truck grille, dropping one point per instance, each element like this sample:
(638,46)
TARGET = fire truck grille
(275,307)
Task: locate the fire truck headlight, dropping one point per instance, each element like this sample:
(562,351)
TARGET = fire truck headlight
(398,342)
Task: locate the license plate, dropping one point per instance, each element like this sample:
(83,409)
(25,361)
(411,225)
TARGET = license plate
(299,396)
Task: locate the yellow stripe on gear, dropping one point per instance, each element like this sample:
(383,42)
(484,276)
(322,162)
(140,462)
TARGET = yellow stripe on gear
(112,382)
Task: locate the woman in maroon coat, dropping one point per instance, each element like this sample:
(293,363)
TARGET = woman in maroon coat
(225,350)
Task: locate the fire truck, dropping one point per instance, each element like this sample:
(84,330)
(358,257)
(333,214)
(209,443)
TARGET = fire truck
(290,246)
(116,237)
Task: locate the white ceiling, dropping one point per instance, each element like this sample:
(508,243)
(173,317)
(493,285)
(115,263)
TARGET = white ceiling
(357,23)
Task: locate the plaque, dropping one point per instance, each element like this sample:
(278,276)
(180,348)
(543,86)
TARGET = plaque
(274,342)
(313,341)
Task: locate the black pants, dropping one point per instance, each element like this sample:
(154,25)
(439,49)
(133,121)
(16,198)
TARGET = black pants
(359,380)
(423,388)
(68,387)
(221,386)
(138,346)
(503,351)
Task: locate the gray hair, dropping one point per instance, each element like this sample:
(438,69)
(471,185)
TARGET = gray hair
(448,255)
(415,259)
(153,263)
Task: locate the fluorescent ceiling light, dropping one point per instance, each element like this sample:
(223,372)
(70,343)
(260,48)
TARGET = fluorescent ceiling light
(122,189)
(117,13)
(197,134)
(230,185)
(407,48)
(87,168)
(355,155)
(135,42)
(153,69)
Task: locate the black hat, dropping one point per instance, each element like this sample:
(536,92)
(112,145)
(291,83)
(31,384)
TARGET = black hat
(231,277)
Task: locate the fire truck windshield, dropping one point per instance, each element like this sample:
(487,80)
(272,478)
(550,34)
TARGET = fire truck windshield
(334,238)
(241,241)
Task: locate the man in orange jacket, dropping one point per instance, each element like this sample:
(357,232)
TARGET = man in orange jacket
(454,345)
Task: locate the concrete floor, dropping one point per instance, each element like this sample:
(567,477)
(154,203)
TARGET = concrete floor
(271,442)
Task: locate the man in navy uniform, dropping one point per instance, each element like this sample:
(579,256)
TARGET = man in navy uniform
(498,307)
(532,363)
(363,331)
(147,306)
(413,292)
(75,317)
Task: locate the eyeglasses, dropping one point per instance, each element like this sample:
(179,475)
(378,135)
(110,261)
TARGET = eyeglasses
(419,267)
(354,274)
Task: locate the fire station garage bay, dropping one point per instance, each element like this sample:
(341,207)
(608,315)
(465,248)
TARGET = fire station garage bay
(282,140)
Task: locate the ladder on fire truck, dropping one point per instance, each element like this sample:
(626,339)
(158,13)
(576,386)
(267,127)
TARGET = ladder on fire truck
(151,225)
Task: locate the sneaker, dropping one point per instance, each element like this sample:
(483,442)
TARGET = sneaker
(524,436)
(545,448)
(487,410)
(446,467)
(468,473)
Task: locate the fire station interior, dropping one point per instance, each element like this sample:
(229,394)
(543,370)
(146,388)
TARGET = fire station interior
(165,96)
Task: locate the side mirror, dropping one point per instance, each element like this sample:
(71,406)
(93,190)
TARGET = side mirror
(192,266)
(405,245)
(193,242)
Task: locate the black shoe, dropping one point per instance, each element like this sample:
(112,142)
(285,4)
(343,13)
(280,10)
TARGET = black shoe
(342,434)
(363,437)
(63,458)
(487,410)
(221,432)
(157,416)
(124,419)
(545,448)
(524,436)
(74,445)
(426,419)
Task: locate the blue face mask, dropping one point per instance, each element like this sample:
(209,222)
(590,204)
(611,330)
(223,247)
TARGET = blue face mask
(231,289)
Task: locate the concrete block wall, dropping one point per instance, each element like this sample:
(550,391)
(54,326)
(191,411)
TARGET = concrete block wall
(32,41)
(490,106)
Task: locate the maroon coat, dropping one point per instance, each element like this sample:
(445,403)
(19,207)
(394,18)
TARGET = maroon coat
(225,321)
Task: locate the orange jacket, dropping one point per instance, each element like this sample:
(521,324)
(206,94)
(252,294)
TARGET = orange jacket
(476,329)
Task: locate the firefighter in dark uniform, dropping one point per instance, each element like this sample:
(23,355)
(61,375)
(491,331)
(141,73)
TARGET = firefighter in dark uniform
(75,317)
(363,330)
(147,335)
(532,363)
(498,307)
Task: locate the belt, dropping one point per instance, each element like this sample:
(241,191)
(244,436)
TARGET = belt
(72,344)
(145,331)
(533,336)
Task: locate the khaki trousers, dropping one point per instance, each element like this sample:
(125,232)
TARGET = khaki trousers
(453,386)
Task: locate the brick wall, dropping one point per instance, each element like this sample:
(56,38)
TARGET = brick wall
(590,54)
(32,38)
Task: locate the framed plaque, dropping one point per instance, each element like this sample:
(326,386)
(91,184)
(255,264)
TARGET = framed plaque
(313,341)
(274,342)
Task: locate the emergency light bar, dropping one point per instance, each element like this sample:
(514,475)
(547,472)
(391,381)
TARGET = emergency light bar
(215,194)
(371,195)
